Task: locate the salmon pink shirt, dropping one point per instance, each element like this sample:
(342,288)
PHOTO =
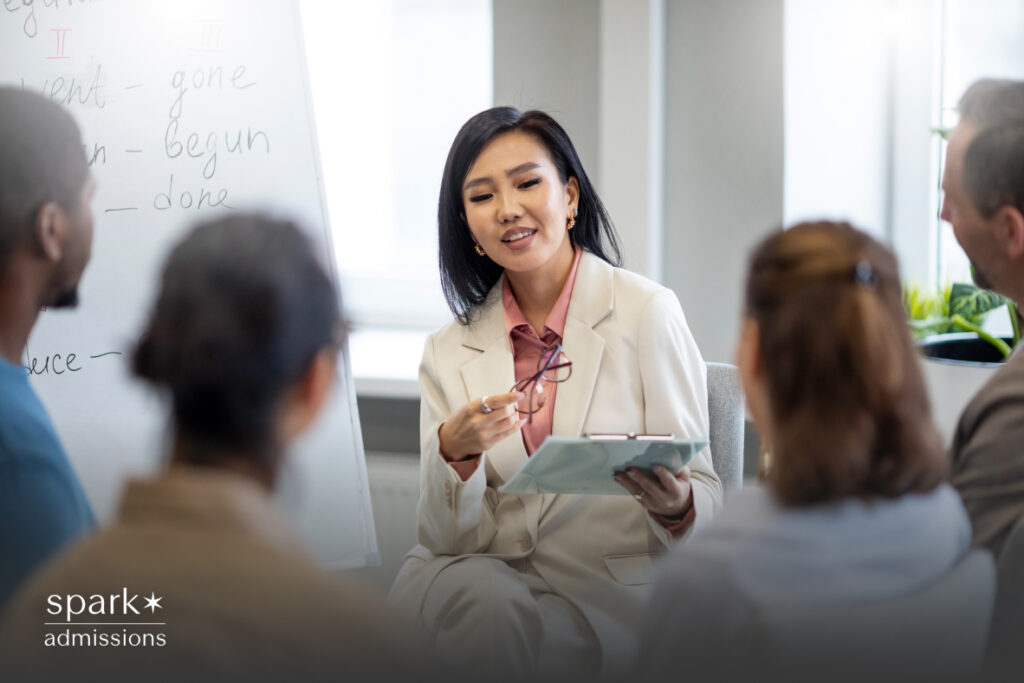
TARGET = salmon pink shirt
(528,347)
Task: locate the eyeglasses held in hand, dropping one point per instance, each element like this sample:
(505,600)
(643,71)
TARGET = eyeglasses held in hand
(552,367)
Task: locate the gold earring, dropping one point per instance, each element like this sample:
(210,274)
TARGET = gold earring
(479,250)
(570,221)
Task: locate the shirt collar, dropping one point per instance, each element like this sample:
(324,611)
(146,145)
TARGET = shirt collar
(514,317)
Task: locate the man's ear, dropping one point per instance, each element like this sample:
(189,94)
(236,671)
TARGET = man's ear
(50,231)
(303,403)
(1011,228)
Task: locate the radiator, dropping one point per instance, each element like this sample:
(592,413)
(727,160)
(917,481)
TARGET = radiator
(394,493)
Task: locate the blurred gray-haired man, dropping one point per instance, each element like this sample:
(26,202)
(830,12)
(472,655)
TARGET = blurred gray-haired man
(983,182)
(984,202)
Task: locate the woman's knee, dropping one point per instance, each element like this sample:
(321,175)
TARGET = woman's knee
(483,584)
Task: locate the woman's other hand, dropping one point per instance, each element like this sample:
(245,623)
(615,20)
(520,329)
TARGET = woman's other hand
(471,430)
(662,493)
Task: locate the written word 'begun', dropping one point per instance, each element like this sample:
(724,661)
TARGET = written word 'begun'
(233,143)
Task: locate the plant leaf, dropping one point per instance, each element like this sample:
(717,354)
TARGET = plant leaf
(921,329)
(1003,347)
(972,303)
(1014,322)
(919,304)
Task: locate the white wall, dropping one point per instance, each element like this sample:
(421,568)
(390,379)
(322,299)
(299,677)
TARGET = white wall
(724,146)
(546,55)
(632,127)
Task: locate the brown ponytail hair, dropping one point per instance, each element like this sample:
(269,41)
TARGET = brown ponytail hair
(847,401)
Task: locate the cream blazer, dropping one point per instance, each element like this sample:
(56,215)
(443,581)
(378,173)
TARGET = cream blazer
(636,368)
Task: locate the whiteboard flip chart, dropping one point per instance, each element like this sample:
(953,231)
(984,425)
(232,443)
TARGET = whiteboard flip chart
(188,109)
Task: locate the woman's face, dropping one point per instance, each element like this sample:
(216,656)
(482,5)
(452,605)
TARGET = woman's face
(517,207)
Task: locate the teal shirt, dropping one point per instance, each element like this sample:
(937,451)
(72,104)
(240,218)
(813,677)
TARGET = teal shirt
(42,505)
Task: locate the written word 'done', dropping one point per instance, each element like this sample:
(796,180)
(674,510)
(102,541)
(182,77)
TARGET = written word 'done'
(187,199)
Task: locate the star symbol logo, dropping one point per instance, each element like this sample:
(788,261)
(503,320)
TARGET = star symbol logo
(153,602)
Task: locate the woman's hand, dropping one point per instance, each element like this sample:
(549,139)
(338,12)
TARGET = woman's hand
(663,493)
(471,431)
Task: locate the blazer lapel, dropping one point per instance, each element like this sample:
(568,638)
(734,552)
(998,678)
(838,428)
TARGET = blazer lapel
(592,301)
(492,373)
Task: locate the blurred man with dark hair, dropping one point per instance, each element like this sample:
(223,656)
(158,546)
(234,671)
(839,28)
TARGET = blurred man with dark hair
(45,243)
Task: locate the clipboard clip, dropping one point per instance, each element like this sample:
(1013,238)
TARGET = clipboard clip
(631,436)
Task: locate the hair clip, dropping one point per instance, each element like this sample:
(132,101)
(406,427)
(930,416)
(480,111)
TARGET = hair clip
(864,275)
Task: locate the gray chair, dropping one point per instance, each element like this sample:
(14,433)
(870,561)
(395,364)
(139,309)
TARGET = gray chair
(935,634)
(1005,657)
(727,417)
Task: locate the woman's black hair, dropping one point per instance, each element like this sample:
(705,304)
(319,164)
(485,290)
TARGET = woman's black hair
(244,307)
(466,277)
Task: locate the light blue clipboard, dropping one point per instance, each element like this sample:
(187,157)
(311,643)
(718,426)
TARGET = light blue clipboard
(587,465)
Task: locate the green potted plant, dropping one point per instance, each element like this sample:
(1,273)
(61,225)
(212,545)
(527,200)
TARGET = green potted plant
(949,325)
(959,354)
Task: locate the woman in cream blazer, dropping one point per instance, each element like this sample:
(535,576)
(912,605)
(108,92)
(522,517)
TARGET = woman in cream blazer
(548,584)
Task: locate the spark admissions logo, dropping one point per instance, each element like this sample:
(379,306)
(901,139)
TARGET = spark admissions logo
(110,617)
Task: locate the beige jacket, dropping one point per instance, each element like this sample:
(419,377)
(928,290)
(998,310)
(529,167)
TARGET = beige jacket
(636,368)
(239,598)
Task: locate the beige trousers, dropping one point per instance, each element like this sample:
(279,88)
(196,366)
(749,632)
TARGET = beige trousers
(501,620)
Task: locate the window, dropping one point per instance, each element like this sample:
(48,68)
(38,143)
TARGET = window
(392,81)
(865,85)
(836,113)
(980,40)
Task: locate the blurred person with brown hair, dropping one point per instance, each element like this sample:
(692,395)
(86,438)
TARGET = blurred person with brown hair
(854,509)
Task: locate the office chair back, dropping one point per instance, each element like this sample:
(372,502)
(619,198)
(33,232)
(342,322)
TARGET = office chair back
(727,415)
